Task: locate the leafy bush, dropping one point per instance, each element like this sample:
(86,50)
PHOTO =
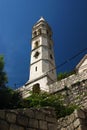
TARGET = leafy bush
(65,75)
(3,76)
(9,98)
(55,101)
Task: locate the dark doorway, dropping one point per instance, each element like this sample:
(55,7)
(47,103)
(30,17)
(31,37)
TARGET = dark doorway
(36,88)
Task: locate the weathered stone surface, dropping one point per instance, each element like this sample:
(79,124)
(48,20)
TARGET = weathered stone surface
(16,127)
(64,123)
(30,129)
(72,117)
(71,126)
(4,125)
(81,114)
(2,114)
(49,111)
(22,120)
(11,117)
(39,115)
(50,119)
(76,123)
(43,125)
(33,123)
(29,113)
(63,128)
(15,121)
(52,126)
(82,127)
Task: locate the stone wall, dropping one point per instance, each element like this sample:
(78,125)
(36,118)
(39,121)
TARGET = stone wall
(59,85)
(41,119)
(28,119)
(74,89)
(76,121)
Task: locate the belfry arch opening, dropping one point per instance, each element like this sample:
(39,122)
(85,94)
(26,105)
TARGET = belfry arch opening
(36,88)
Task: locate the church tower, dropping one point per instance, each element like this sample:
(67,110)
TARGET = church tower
(42,64)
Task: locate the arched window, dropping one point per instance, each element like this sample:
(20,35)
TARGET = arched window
(34,33)
(36,68)
(36,44)
(36,88)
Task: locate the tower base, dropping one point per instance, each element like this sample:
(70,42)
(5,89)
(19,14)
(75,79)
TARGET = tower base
(39,84)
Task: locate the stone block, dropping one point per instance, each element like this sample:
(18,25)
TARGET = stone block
(16,127)
(4,125)
(50,119)
(72,117)
(71,126)
(39,115)
(81,114)
(22,120)
(82,127)
(64,123)
(43,125)
(63,129)
(30,129)
(49,111)
(33,123)
(11,117)
(52,127)
(77,123)
(29,113)
(2,114)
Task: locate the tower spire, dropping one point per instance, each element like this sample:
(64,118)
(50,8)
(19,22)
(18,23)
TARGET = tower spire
(41,19)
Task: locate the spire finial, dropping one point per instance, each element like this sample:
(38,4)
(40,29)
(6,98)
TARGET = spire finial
(41,19)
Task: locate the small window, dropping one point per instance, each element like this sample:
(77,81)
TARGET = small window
(36,44)
(35,33)
(36,54)
(51,56)
(43,25)
(36,68)
(47,32)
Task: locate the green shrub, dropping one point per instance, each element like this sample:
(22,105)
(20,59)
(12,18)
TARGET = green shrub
(65,75)
(9,98)
(55,101)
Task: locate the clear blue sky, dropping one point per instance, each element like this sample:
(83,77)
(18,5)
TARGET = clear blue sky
(67,18)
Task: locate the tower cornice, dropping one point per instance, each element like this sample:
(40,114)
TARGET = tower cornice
(41,60)
(44,35)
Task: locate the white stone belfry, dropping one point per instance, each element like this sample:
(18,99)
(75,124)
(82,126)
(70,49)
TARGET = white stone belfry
(42,64)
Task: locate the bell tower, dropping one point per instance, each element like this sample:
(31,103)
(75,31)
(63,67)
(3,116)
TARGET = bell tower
(42,64)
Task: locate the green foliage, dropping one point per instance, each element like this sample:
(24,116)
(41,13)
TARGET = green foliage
(3,76)
(44,100)
(65,75)
(9,98)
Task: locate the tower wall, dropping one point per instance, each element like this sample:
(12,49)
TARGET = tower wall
(42,61)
